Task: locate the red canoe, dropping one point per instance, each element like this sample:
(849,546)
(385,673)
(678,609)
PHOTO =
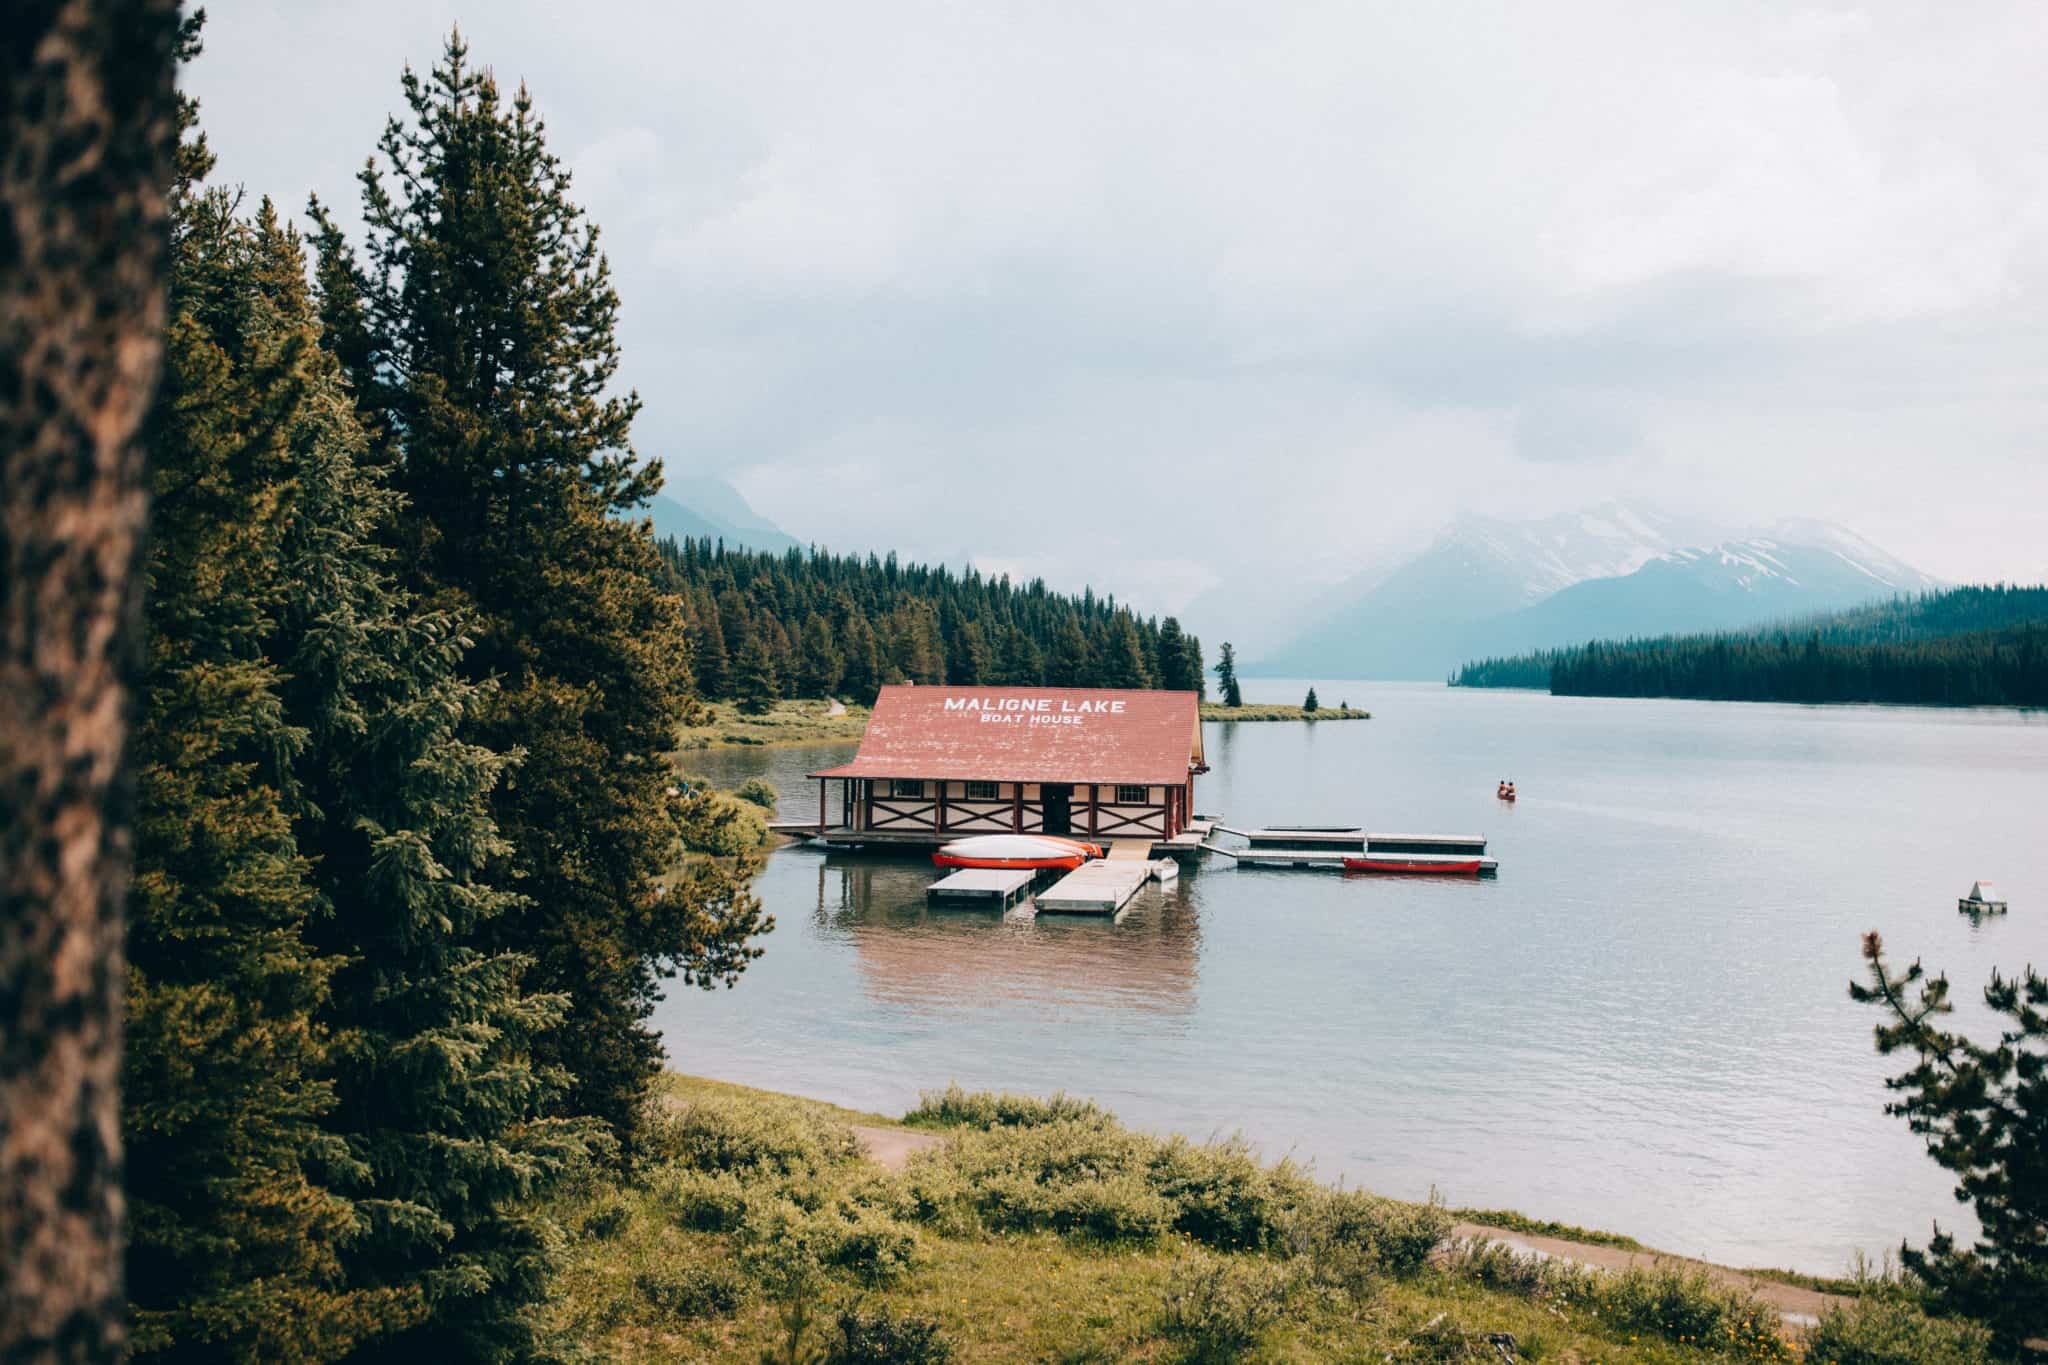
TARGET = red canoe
(1431,867)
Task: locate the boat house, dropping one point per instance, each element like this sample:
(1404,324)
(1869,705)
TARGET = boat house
(939,763)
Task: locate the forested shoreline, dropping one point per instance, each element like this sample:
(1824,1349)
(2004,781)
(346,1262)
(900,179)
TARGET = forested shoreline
(1975,646)
(814,624)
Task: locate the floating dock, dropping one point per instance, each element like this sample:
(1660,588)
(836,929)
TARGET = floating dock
(1106,885)
(1325,847)
(992,888)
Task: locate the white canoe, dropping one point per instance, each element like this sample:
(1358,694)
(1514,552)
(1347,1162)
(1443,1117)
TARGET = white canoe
(1015,850)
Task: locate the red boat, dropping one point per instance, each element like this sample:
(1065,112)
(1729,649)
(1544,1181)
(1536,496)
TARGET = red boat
(1420,865)
(1016,851)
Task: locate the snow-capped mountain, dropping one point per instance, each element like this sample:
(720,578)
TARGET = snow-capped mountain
(1728,586)
(1492,587)
(1403,623)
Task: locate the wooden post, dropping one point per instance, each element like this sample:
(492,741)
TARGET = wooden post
(821,808)
(1017,807)
(940,816)
(1094,808)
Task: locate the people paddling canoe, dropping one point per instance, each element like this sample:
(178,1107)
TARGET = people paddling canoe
(1505,791)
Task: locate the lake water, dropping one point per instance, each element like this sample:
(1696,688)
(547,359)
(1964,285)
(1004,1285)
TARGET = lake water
(1641,1025)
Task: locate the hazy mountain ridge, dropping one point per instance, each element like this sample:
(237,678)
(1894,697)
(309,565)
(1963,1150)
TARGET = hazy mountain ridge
(703,507)
(1487,587)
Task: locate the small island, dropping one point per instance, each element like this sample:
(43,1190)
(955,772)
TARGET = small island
(1259,711)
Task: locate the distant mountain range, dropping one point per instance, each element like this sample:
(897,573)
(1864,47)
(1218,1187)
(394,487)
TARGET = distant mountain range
(704,507)
(1491,587)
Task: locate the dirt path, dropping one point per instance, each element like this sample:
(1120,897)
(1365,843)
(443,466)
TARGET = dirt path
(1791,1300)
(892,1148)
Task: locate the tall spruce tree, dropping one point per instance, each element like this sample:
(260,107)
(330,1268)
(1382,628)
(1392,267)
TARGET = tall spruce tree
(234,1243)
(1226,676)
(1070,662)
(489,336)
(818,663)
(437,1101)
(754,684)
(1022,665)
(1180,666)
(1120,654)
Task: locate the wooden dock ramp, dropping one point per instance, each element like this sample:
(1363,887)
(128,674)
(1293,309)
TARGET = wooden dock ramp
(1102,887)
(991,888)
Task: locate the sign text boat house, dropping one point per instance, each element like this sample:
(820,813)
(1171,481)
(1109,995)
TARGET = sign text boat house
(941,763)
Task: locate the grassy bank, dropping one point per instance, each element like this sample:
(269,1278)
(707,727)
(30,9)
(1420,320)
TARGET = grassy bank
(753,1227)
(1212,710)
(787,722)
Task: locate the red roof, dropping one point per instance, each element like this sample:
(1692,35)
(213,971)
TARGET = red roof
(1029,734)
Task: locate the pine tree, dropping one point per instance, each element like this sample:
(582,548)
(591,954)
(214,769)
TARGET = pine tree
(863,674)
(1309,703)
(436,1099)
(1069,663)
(819,665)
(1983,1113)
(1121,657)
(708,658)
(754,682)
(234,1243)
(492,320)
(1172,655)
(1226,676)
(969,661)
(1021,664)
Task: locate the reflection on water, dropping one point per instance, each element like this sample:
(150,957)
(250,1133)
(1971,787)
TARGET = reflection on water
(917,957)
(1643,1024)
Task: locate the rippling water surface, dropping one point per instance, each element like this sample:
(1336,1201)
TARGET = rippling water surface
(1641,1025)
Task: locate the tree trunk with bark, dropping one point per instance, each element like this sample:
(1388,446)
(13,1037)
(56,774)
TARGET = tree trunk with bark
(87,105)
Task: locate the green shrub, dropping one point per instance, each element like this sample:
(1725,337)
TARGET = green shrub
(934,1193)
(985,1109)
(874,1247)
(1117,1208)
(691,1291)
(1891,1330)
(1217,1308)
(1348,1235)
(608,1219)
(1691,1308)
(1222,1197)
(758,791)
(880,1337)
(707,1201)
(746,1136)
(788,1251)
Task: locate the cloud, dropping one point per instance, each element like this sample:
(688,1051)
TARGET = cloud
(1163,291)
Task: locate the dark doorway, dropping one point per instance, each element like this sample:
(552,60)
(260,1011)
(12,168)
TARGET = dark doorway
(1059,808)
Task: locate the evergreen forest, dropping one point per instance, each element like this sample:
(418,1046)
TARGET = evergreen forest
(813,624)
(1972,646)
(411,866)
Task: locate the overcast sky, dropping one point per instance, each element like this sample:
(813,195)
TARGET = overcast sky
(1155,295)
